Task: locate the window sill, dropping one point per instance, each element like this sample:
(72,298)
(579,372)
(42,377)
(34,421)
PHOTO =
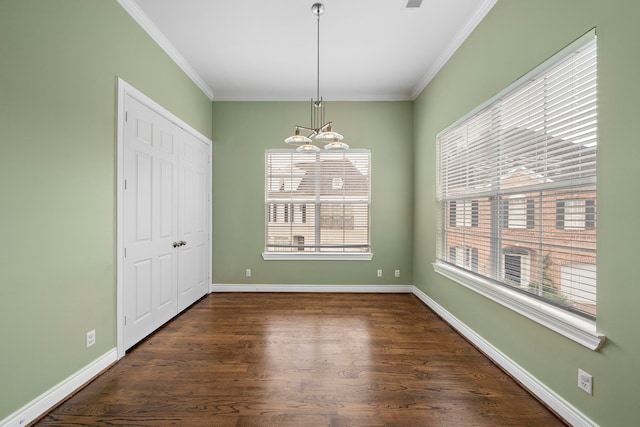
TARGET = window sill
(576,328)
(324,256)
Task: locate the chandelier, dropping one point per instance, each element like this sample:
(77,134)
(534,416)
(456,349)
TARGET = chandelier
(320,130)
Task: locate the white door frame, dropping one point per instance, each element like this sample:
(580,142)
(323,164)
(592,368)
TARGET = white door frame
(125,89)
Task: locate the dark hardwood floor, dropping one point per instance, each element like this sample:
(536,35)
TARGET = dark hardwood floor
(304,360)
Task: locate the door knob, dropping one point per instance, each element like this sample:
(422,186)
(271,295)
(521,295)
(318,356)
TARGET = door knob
(182,243)
(176,244)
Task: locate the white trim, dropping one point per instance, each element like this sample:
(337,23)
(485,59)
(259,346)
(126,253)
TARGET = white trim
(143,20)
(563,408)
(50,398)
(380,289)
(124,90)
(356,97)
(574,327)
(456,42)
(320,256)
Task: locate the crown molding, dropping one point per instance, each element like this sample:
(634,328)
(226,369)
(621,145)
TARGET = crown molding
(143,20)
(294,98)
(456,42)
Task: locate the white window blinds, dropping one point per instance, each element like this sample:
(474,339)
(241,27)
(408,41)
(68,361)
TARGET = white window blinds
(526,161)
(317,202)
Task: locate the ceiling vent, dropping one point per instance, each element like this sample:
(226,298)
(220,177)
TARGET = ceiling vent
(413,4)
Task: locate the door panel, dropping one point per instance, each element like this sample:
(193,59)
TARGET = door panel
(167,288)
(143,287)
(167,200)
(193,229)
(150,221)
(143,196)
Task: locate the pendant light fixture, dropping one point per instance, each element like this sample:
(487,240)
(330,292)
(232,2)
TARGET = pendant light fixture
(320,130)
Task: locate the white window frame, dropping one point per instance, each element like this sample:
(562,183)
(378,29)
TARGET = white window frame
(336,184)
(575,327)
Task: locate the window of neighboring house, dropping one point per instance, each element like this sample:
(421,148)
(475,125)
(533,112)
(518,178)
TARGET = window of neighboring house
(325,200)
(464,257)
(299,242)
(273,212)
(287,212)
(575,214)
(463,213)
(517,269)
(337,216)
(517,180)
(521,212)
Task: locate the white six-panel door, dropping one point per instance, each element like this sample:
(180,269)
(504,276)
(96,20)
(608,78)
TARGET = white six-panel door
(192,226)
(165,220)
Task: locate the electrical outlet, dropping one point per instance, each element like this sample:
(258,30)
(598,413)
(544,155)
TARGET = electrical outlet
(247,272)
(91,338)
(397,273)
(585,382)
(380,273)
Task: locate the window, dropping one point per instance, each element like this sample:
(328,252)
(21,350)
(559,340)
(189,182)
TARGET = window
(575,214)
(336,217)
(323,200)
(517,182)
(521,212)
(463,213)
(286,212)
(517,269)
(464,257)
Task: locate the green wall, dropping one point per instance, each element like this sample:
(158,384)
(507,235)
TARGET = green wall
(242,131)
(59,61)
(58,67)
(514,38)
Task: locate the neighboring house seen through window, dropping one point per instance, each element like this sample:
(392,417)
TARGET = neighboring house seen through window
(317,204)
(516,185)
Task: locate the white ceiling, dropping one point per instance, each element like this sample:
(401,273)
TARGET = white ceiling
(266,49)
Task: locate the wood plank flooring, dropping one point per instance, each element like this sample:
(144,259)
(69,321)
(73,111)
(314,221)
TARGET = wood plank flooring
(244,359)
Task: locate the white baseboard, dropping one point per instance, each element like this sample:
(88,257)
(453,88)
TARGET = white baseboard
(393,289)
(563,408)
(43,403)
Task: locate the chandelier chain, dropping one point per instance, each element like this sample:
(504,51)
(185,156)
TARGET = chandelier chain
(320,130)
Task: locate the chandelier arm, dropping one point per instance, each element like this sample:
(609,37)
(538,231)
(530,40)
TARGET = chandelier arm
(325,126)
